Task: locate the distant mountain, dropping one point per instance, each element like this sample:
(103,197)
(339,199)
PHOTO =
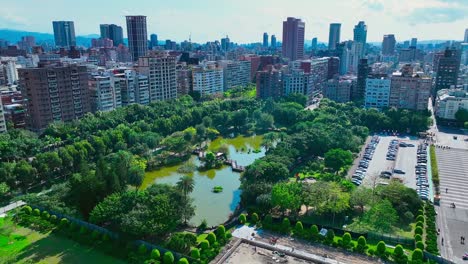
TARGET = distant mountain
(13,36)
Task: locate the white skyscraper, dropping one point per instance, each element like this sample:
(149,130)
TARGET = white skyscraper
(161,71)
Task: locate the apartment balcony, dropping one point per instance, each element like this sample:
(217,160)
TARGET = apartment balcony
(51,74)
(54,100)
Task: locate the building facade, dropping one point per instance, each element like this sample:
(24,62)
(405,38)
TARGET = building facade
(360,34)
(449,101)
(265,40)
(377,92)
(448,67)
(208,79)
(236,73)
(3,127)
(339,89)
(293,39)
(54,93)
(297,81)
(137,36)
(102,94)
(64,33)
(112,32)
(184,79)
(161,71)
(334,35)
(269,83)
(409,91)
(388,45)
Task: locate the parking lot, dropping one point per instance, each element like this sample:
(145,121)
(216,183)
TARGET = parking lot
(387,157)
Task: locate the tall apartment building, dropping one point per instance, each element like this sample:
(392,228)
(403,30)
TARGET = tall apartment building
(142,89)
(333,67)
(273,42)
(269,83)
(130,88)
(137,36)
(161,71)
(102,94)
(466,36)
(208,79)
(3,127)
(377,92)
(414,42)
(448,66)
(64,33)
(360,34)
(184,79)
(408,90)
(113,32)
(9,71)
(293,39)
(334,35)
(449,101)
(236,73)
(388,44)
(297,81)
(339,89)
(363,71)
(153,41)
(319,74)
(54,93)
(265,40)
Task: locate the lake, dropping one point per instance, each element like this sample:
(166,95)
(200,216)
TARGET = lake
(214,207)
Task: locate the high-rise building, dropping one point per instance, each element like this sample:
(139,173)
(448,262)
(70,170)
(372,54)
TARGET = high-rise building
(360,34)
(137,36)
(269,83)
(314,44)
(113,32)
(333,67)
(466,36)
(225,43)
(334,35)
(406,44)
(184,79)
(208,79)
(343,52)
(27,43)
(64,33)
(3,127)
(125,82)
(363,71)
(297,81)
(449,101)
(339,89)
(448,68)
(388,44)
(153,41)
(377,92)
(161,71)
(54,93)
(102,93)
(354,56)
(265,40)
(293,38)
(414,42)
(408,90)
(236,73)
(273,41)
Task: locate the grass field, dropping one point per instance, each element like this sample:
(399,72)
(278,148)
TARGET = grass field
(23,245)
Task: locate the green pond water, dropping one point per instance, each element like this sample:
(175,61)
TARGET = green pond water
(214,207)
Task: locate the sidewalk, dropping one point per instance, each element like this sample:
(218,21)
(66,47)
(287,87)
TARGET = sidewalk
(10,207)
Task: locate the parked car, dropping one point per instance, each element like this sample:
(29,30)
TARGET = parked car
(398,171)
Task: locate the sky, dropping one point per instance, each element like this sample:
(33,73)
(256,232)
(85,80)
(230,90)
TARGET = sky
(244,21)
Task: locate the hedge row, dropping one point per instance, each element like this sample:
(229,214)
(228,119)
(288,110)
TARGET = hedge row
(209,248)
(431,230)
(434,169)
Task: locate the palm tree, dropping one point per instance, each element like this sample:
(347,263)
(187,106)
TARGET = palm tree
(186,185)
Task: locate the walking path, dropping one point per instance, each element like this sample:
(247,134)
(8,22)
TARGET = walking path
(10,207)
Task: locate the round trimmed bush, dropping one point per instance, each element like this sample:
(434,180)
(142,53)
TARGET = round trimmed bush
(242,218)
(95,235)
(142,249)
(53,218)
(168,258)
(420,224)
(314,232)
(420,245)
(286,225)
(63,222)
(417,255)
(420,218)
(381,248)
(346,240)
(418,231)
(399,256)
(228,235)
(105,237)
(36,212)
(195,253)
(330,236)
(211,238)
(45,215)
(83,230)
(298,228)
(27,209)
(155,254)
(254,218)
(417,238)
(361,244)
(205,244)
(221,232)
(267,221)
(183,261)
(398,251)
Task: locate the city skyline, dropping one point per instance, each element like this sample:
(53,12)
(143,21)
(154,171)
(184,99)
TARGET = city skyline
(210,20)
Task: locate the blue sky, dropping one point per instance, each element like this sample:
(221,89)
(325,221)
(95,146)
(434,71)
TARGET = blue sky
(246,20)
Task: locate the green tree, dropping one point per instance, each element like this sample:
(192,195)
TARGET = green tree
(382,216)
(287,196)
(25,174)
(168,258)
(155,254)
(381,248)
(336,159)
(461,115)
(361,244)
(361,197)
(417,255)
(399,255)
(346,240)
(186,184)
(254,217)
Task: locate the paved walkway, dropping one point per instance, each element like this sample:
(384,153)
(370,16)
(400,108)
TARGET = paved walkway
(10,207)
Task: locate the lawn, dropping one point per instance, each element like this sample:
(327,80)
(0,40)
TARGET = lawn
(23,245)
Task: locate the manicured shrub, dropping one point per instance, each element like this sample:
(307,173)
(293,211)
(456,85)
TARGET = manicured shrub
(242,218)
(418,231)
(95,235)
(195,253)
(73,226)
(361,244)
(346,240)
(417,238)
(420,245)
(228,235)
(53,218)
(63,223)
(155,254)
(420,224)
(267,221)
(330,236)
(205,244)
(254,218)
(183,261)
(298,229)
(105,237)
(314,232)
(417,255)
(142,249)
(27,209)
(221,232)
(399,256)
(45,215)
(203,225)
(36,212)
(381,248)
(211,238)
(83,230)
(420,218)
(168,258)
(286,225)
(371,252)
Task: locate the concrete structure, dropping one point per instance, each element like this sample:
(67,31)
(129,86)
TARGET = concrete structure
(236,73)
(449,101)
(208,79)
(226,44)
(414,42)
(410,54)
(360,34)
(137,36)
(355,55)
(334,35)
(314,44)
(184,79)
(273,42)
(54,93)
(153,41)
(27,43)
(161,71)
(126,84)
(339,89)
(388,44)
(297,81)
(9,71)
(363,71)
(16,114)
(333,67)
(269,83)
(293,39)
(3,127)
(466,36)
(319,75)
(64,33)
(409,90)
(102,93)
(113,32)
(265,40)
(448,66)
(377,92)
(142,89)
